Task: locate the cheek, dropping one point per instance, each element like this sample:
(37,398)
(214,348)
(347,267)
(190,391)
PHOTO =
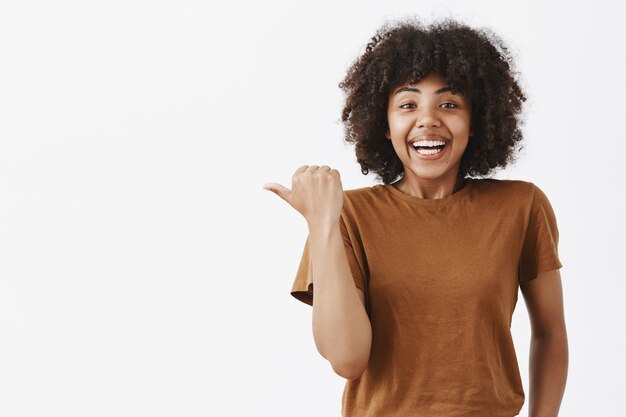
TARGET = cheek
(461,123)
(397,124)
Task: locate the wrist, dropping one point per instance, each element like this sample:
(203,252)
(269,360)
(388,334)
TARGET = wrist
(322,226)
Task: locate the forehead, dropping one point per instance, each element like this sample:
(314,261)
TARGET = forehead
(433,83)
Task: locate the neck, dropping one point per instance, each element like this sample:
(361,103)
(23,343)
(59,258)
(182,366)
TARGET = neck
(428,188)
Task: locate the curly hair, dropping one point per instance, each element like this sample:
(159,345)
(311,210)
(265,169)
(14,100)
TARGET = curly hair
(474,62)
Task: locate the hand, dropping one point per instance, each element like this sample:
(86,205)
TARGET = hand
(316,193)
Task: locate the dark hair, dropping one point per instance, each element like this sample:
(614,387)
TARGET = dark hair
(474,62)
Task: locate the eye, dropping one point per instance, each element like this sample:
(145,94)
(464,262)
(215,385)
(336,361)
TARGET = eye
(404,106)
(450,104)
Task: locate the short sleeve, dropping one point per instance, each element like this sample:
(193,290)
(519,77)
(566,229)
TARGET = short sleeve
(541,240)
(302,288)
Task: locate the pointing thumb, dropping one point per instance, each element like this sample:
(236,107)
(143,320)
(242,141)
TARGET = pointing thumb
(278,189)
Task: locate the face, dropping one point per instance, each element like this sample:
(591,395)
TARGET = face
(428,115)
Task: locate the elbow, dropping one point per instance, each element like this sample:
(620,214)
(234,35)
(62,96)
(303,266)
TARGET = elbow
(551,334)
(350,371)
(350,366)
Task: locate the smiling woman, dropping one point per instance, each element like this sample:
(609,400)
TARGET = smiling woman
(429,127)
(474,63)
(414,281)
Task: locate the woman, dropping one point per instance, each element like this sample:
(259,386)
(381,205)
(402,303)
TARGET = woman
(416,279)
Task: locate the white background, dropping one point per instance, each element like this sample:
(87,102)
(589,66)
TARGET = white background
(143,269)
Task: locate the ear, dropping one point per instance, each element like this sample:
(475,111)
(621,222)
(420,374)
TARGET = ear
(388,134)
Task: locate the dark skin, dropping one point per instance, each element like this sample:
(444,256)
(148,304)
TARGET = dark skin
(548,345)
(549,355)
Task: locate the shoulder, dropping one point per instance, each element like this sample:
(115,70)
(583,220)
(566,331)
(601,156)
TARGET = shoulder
(508,189)
(361,204)
(524,195)
(363,195)
(504,185)
(362,191)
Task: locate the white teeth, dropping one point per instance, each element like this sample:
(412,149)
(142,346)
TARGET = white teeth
(428,143)
(428,151)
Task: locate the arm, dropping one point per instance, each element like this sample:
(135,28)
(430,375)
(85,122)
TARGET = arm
(341,327)
(548,347)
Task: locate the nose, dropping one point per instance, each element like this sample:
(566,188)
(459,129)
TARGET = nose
(426,118)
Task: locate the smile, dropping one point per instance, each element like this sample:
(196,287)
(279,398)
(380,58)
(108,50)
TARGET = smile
(430,149)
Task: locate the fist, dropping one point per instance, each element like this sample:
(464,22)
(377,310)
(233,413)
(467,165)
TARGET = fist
(316,193)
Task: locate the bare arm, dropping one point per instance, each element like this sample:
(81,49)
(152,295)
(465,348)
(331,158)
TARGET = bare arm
(548,347)
(341,327)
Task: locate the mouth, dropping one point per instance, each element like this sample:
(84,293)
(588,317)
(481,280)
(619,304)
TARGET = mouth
(431,148)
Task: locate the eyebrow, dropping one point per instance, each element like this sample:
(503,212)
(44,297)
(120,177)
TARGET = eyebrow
(417,90)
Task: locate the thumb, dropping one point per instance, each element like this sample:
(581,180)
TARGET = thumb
(279,190)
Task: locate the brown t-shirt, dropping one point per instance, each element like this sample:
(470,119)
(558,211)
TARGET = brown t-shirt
(441,279)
